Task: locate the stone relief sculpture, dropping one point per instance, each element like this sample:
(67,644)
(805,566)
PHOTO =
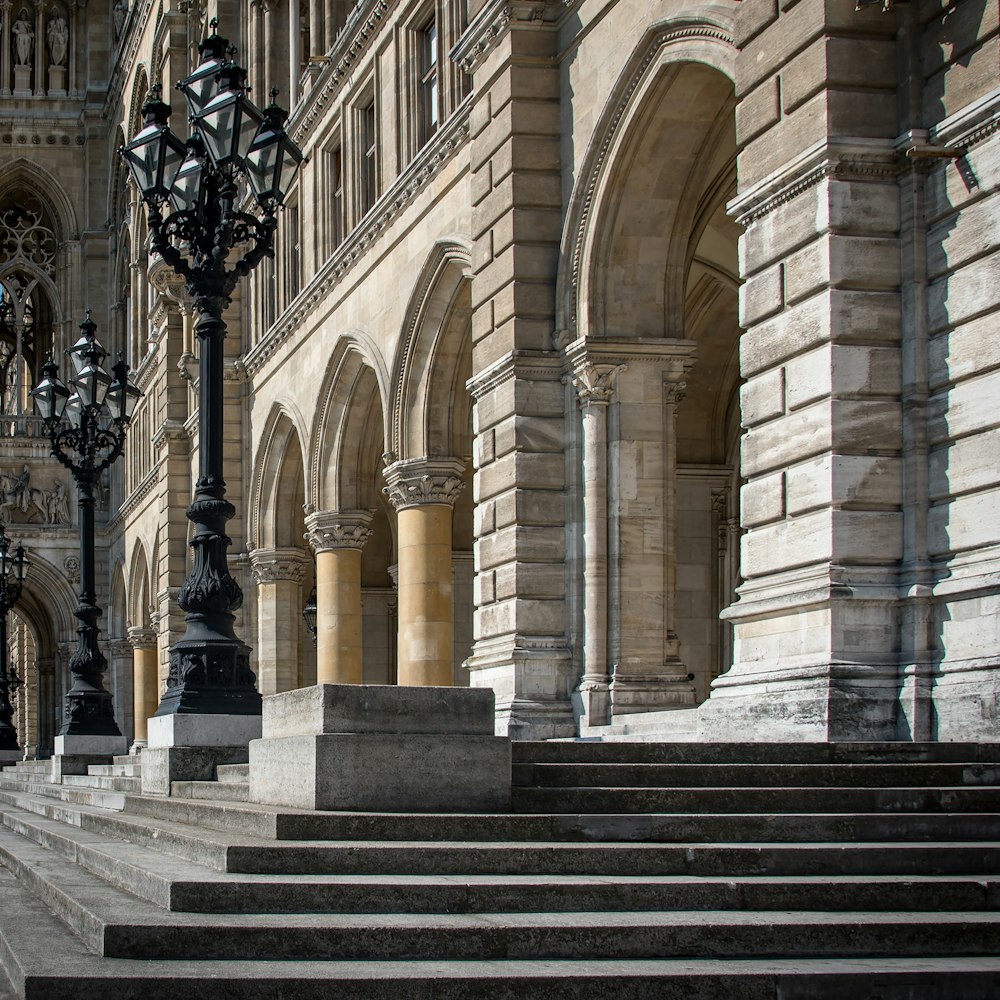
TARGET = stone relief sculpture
(32,503)
(120,13)
(58,36)
(23,38)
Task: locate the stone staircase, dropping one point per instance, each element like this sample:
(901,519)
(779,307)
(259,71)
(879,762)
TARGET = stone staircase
(624,870)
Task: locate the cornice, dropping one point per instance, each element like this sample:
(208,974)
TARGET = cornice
(972,125)
(534,366)
(427,163)
(134,500)
(491,23)
(852,159)
(361,29)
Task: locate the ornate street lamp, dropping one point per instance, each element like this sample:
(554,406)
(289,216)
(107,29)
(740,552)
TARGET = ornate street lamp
(86,428)
(12,571)
(309,612)
(211,243)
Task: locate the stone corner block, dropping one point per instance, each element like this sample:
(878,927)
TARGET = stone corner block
(400,772)
(378,708)
(162,765)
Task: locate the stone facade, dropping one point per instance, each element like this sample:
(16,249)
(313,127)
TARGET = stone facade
(621,358)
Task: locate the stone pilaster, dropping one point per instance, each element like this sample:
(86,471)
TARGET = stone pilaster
(278,574)
(337,538)
(816,632)
(423,492)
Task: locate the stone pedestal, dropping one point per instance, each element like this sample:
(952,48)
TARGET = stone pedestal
(375,747)
(57,81)
(22,81)
(162,765)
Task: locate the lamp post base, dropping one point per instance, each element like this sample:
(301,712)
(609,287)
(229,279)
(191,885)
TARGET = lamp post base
(182,730)
(91,746)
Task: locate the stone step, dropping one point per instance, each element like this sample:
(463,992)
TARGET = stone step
(597,752)
(103,782)
(755,800)
(63,969)
(935,816)
(113,923)
(233,772)
(228,791)
(131,770)
(69,794)
(753,775)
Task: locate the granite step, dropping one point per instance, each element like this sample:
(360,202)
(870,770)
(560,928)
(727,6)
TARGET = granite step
(233,772)
(114,923)
(618,799)
(772,754)
(66,970)
(103,782)
(130,770)
(227,791)
(68,794)
(185,807)
(753,775)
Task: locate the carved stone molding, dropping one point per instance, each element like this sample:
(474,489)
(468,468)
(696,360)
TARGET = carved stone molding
(595,383)
(338,529)
(273,565)
(489,25)
(416,481)
(141,638)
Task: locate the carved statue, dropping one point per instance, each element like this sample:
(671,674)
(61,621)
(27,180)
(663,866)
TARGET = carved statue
(57,505)
(23,38)
(120,13)
(58,36)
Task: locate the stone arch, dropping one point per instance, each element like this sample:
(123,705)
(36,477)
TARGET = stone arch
(48,601)
(356,361)
(138,589)
(278,488)
(49,192)
(698,37)
(433,349)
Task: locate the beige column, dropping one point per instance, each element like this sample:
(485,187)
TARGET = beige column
(594,386)
(337,538)
(278,574)
(145,683)
(423,493)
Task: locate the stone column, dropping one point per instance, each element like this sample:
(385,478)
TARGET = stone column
(5,53)
(40,48)
(278,574)
(423,492)
(337,538)
(145,683)
(294,52)
(594,387)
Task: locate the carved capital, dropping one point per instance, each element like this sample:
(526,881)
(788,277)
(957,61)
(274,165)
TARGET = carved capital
(595,383)
(673,392)
(338,529)
(272,565)
(417,481)
(141,638)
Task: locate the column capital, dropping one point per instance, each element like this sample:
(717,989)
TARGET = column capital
(594,383)
(141,638)
(271,565)
(414,482)
(338,529)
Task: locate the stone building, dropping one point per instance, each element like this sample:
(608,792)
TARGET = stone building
(624,358)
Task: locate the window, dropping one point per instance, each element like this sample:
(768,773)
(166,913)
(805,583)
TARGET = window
(367,142)
(335,204)
(429,103)
(293,252)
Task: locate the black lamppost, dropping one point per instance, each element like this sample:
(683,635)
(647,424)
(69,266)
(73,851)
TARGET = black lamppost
(12,572)
(86,428)
(211,243)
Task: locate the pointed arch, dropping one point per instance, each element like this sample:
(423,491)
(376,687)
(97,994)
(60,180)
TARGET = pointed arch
(35,178)
(354,374)
(279,477)
(699,36)
(138,589)
(48,601)
(430,353)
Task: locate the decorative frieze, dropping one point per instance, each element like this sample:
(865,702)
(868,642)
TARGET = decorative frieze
(417,481)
